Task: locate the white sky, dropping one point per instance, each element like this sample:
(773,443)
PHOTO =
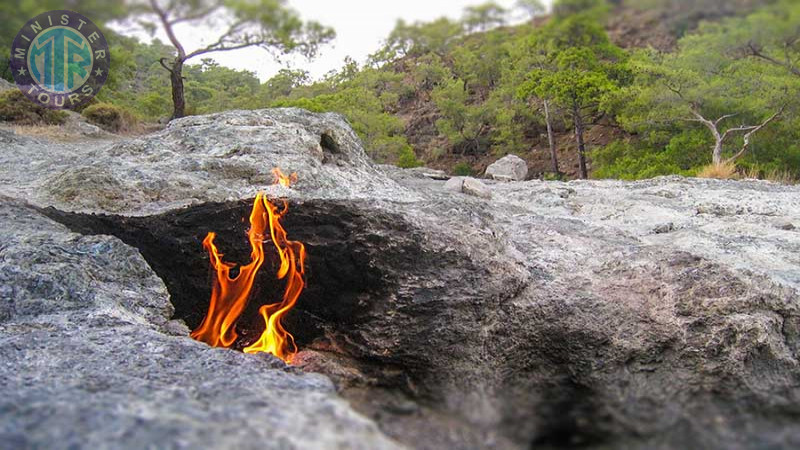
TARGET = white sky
(361,26)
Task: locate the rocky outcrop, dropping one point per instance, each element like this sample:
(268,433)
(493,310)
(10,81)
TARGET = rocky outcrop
(508,168)
(602,314)
(92,360)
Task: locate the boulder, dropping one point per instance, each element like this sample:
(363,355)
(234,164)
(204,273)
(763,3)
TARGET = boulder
(599,314)
(476,188)
(76,124)
(427,172)
(469,186)
(455,184)
(508,168)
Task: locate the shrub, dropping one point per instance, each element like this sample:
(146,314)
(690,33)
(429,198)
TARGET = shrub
(629,161)
(552,176)
(407,158)
(463,169)
(18,109)
(725,171)
(109,117)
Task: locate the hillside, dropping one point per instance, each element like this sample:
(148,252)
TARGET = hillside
(452,94)
(458,94)
(628,25)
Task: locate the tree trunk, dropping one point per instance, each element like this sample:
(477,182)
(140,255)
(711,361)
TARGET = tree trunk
(716,156)
(551,138)
(178,99)
(576,112)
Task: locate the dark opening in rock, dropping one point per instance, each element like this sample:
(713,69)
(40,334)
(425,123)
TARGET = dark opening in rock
(396,321)
(328,144)
(342,279)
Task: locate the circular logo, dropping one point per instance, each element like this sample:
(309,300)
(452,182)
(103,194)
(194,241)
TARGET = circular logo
(60,59)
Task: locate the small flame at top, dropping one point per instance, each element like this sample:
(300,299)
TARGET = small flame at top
(282,179)
(230,295)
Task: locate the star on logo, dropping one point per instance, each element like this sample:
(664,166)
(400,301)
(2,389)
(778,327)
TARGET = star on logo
(98,72)
(22,71)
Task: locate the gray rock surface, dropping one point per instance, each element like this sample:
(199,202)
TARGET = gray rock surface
(602,314)
(197,159)
(88,360)
(508,168)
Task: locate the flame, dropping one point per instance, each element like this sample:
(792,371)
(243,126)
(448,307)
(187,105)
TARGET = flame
(282,179)
(230,295)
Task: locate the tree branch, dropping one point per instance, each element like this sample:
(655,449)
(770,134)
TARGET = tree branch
(164,18)
(197,16)
(736,130)
(219,45)
(756,52)
(203,51)
(753,131)
(727,116)
(164,64)
(709,124)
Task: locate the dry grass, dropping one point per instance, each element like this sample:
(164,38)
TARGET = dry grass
(59,133)
(782,177)
(719,172)
(730,172)
(51,132)
(774,175)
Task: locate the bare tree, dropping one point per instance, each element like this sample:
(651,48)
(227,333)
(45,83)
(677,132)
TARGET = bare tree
(551,138)
(720,137)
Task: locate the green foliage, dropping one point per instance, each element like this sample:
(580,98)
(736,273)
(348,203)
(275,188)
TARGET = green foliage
(419,38)
(429,72)
(484,17)
(109,117)
(550,176)
(211,87)
(628,161)
(463,169)
(16,108)
(136,81)
(407,158)
(282,85)
(712,75)
(480,62)
(566,8)
(381,132)
(463,124)
(531,8)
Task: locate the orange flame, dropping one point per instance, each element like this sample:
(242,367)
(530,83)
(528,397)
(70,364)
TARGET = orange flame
(230,295)
(282,179)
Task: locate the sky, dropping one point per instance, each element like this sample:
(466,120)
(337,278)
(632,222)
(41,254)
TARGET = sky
(361,26)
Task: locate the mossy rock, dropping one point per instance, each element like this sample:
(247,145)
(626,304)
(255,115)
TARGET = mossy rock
(18,109)
(109,117)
